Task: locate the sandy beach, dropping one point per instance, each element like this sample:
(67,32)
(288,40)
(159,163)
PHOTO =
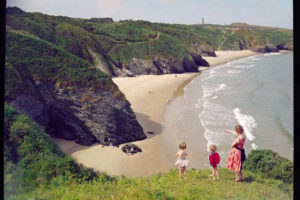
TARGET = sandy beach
(148,95)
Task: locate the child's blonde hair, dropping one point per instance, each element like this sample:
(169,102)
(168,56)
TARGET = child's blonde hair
(182,145)
(213,147)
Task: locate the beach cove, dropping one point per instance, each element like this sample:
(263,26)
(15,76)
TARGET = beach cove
(149,95)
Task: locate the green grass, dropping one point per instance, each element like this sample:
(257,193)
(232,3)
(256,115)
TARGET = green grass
(32,158)
(164,186)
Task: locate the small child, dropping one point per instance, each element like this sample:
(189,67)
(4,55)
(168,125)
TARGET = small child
(182,162)
(214,160)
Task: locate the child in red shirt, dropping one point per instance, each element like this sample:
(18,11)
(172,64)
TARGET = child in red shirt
(214,160)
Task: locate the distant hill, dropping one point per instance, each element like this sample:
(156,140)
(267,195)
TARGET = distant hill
(240,24)
(128,47)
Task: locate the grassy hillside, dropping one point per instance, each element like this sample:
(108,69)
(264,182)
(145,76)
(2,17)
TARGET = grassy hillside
(28,57)
(120,42)
(31,158)
(35,168)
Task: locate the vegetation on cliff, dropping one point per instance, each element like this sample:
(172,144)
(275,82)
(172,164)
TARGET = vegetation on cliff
(117,43)
(28,57)
(32,158)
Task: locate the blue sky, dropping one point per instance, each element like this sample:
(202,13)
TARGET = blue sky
(276,13)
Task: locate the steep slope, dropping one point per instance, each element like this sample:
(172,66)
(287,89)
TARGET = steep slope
(65,95)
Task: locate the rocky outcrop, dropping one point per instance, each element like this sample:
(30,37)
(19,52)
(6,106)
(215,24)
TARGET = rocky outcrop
(243,45)
(284,46)
(199,60)
(140,66)
(131,149)
(65,95)
(205,50)
(160,65)
(80,114)
(265,49)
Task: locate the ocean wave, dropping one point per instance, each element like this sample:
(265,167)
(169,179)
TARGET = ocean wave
(213,119)
(247,122)
(233,71)
(215,97)
(254,146)
(272,54)
(209,90)
(245,66)
(256,59)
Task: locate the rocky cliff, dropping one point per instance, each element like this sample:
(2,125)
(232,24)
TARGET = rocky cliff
(66,95)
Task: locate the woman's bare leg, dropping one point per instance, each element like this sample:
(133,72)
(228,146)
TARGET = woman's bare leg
(237,178)
(241,173)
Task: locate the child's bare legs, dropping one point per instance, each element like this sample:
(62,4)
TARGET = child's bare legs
(180,171)
(184,172)
(216,172)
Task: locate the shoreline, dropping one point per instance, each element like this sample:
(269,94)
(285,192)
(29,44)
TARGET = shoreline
(148,95)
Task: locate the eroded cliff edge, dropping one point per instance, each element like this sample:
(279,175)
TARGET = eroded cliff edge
(65,95)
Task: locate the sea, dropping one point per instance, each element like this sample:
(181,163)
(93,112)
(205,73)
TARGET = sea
(255,92)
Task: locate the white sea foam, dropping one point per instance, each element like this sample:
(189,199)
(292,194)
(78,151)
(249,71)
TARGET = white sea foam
(254,146)
(247,122)
(233,71)
(209,89)
(241,66)
(214,118)
(221,87)
(256,59)
(272,54)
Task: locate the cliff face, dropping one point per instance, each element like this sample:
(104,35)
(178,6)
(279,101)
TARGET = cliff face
(81,115)
(65,95)
(160,65)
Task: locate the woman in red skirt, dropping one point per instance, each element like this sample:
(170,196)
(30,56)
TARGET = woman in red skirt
(234,161)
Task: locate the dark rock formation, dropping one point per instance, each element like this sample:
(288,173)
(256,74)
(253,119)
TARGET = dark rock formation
(160,65)
(205,50)
(81,115)
(284,46)
(242,45)
(199,60)
(190,65)
(265,49)
(168,66)
(131,148)
(139,67)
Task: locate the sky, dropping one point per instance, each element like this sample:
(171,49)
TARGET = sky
(275,13)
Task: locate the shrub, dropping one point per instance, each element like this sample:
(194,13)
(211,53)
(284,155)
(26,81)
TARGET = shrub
(270,165)
(32,158)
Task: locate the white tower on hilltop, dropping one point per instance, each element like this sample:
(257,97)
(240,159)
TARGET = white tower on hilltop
(202,20)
